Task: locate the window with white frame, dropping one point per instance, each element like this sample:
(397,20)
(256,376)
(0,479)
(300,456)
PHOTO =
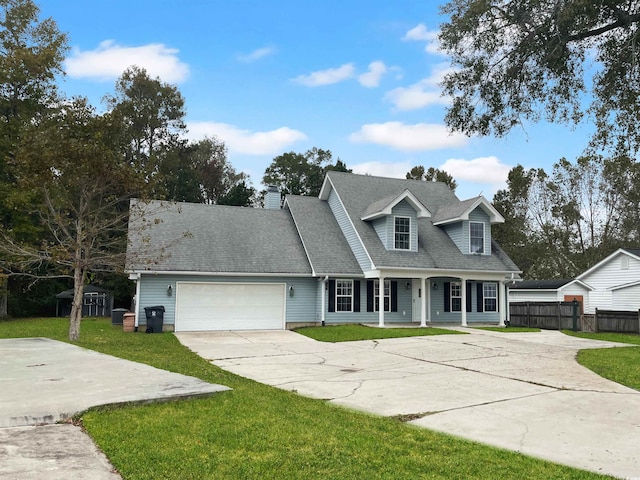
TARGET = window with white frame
(476,237)
(402,233)
(344,295)
(456,296)
(490,294)
(386,295)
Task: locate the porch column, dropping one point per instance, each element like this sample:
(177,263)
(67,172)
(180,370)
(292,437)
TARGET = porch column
(463,301)
(424,284)
(503,302)
(323,286)
(380,301)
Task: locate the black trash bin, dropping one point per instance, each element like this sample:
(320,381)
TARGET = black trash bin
(155,318)
(117,314)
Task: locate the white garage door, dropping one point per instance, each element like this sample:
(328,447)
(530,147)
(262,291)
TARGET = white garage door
(229,306)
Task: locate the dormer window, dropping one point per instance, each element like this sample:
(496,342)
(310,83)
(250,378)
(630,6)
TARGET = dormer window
(402,233)
(476,237)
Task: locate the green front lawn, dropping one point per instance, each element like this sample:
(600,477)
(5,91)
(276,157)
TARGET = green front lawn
(619,364)
(352,332)
(260,432)
(509,329)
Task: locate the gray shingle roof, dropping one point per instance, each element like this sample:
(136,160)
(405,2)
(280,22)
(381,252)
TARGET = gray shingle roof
(435,249)
(188,237)
(452,211)
(327,249)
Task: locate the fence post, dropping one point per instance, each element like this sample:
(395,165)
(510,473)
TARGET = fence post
(528,315)
(595,327)
(575,315)
(559,313)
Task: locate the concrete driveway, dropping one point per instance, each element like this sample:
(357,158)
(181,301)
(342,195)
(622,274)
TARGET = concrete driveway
(519,391)
(44,381)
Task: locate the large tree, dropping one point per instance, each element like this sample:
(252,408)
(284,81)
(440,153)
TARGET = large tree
(301,173)
(31,55)
(516,61)
(152,115)
(432,175)
(73,165)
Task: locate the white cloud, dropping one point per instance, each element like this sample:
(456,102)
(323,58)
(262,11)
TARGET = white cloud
(420,33)
(380,169)
(421,94)
(109,60)
(247,142)
(487,170)
(257,54)
(418,137)
(327,77)
(372,78)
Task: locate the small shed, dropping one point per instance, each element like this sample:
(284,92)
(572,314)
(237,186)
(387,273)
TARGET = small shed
(97,302)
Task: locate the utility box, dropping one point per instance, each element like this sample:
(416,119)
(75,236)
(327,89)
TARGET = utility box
(117,315)
(155,318)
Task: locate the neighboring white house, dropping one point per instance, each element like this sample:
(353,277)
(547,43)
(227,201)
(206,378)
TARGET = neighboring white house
(612,284)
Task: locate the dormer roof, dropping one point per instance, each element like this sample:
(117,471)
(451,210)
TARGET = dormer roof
(384,206)
(460,211)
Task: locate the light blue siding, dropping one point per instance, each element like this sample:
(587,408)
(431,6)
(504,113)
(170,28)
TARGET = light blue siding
(438,315)
(403,315)
(459,232)
(301,307)
(403,209)
(348,231)
(381,226)
(455,232)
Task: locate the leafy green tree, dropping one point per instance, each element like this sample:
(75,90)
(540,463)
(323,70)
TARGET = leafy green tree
(432,175)
(31,55)
(301,173)
(516,61)
(240,195)
(151,113)
(83,183)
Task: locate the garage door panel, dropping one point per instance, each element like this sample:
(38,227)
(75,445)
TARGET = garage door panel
(229,306)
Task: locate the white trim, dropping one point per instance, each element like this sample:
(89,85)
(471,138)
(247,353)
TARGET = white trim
(494,215)
(355,231)
(421,210)
(407,233)
(485,297)
(484,237)
(604,261)
(383,295)
(626,285)
(350,280)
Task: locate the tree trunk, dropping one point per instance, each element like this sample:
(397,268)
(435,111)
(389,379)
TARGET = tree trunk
(76,307)
(4,293)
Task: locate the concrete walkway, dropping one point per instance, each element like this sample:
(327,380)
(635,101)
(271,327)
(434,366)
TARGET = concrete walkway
(44,381)
(520,391)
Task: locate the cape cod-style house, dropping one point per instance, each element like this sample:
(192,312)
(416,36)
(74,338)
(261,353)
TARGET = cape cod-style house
(366,250)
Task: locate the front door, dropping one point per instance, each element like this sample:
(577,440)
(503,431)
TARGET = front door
(417,300)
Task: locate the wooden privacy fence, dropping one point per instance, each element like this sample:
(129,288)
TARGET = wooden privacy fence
(617,321)
(559,316)
(545,315)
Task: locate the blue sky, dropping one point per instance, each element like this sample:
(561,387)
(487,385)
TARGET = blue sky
(356,77)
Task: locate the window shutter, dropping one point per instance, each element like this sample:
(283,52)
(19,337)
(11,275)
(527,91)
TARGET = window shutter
(332,295)
(369,295)
(480,299)
(356,295)
(394,295)
(468,297)
(447,296)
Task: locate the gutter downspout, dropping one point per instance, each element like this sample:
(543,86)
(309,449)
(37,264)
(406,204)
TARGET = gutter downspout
(137,306)
(322,302)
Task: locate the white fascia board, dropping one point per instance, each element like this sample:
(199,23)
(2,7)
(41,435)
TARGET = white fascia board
(494,215)
(602,262)
(577,282)
(326,188)
(626,285)
(407,272)
(421,210)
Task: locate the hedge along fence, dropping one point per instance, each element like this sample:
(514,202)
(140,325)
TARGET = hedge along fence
(545,315)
